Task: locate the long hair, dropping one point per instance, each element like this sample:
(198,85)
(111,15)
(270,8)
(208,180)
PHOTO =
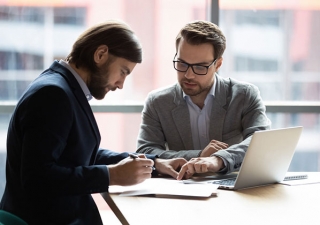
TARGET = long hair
(120,39)
(200,32)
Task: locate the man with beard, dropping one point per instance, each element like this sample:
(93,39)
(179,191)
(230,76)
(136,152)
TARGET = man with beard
(54,162)
(204,118)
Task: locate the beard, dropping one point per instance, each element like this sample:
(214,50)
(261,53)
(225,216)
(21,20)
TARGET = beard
(194,91)
(98,85)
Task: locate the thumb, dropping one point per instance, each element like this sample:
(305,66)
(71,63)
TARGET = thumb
(142,156)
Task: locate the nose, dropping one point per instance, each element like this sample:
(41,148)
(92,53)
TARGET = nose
(120,83)
(189,74)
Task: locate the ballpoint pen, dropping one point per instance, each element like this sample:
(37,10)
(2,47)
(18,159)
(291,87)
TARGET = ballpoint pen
(134,156)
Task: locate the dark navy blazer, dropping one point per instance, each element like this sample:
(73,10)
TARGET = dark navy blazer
(53,158)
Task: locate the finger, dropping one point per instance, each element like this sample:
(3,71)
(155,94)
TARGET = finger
(217,147)
(182,172)
(178,163)
(145,170)
(188,175)
(181,162)
(220,144)
(197,167)
(189,171)
(145,162)
(200,167)
(204,168)
(223,145)
(142,156)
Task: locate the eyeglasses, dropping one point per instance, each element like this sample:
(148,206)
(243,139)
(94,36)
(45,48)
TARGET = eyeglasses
(196,68)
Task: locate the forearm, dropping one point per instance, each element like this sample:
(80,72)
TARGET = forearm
(234,155)
(108,157)
(58,180)
(169,154)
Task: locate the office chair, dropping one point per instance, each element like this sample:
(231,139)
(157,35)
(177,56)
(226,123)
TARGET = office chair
(7,218)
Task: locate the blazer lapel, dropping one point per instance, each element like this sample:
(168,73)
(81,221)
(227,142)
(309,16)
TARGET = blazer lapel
(219,109)
(77,91)
(182,119)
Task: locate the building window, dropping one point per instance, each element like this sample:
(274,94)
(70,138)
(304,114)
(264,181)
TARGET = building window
(70,15)
(12,89)
(22,14)
(263,18)
(20,61)
(243,63)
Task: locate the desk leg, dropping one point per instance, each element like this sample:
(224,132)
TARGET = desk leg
(114,208)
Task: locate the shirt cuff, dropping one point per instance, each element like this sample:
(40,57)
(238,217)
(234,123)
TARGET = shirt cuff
(224,169)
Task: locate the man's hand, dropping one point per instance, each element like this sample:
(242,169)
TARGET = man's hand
(169,166)
(130,171)
(213,147)
(200,165)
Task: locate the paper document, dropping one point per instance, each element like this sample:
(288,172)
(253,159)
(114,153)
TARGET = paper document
(163,187)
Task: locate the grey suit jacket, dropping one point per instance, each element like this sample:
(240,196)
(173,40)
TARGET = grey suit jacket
(237,112)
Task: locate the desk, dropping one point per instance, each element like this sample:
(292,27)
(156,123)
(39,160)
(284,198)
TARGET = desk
(272,204)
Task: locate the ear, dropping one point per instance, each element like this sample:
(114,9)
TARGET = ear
(219,63)
(101,54)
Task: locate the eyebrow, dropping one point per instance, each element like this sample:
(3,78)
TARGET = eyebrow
(199,63)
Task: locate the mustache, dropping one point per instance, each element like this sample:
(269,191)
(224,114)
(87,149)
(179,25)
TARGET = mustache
(189,81)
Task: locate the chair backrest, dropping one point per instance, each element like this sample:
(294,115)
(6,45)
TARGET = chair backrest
(7,218)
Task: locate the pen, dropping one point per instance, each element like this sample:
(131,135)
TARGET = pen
(134,156)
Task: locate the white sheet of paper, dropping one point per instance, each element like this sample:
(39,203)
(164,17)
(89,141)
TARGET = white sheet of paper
(301,182)
(313,178)
(166,187)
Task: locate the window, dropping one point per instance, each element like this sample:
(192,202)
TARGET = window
(264,18)
(22,14)
(244,63)
(275,46)
(20,61)
(70,15)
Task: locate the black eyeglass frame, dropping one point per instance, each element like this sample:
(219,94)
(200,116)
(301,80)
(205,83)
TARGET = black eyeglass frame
(191,65)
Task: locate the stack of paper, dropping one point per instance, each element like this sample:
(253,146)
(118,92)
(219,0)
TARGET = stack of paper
(164,187)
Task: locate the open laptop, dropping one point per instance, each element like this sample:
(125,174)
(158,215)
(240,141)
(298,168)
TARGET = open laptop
(267,159)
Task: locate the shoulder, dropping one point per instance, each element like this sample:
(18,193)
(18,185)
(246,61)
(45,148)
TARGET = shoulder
(56,76)
(169,91)
(239,86)
(164,98)
(49,85)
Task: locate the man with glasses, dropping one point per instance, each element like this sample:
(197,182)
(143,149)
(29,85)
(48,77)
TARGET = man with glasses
(204,118)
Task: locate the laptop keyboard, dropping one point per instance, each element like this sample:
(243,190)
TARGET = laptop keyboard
(225,182)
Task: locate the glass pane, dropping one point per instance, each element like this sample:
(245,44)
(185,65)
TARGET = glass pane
(274,45)
(307,154)
(4,121)
(49,30)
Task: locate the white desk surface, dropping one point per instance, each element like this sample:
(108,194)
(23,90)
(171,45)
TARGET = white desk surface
(272,204)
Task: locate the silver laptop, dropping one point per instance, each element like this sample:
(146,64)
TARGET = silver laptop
(267,159)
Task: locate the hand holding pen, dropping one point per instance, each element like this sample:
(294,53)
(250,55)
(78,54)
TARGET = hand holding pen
(131,170)
(134,156)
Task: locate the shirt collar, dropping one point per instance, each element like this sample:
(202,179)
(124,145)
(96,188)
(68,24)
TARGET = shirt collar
(78,78)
